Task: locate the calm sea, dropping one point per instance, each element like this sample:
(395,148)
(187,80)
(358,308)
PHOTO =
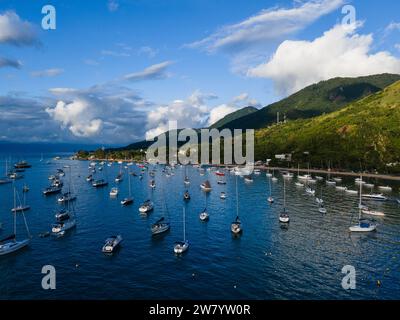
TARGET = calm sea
(302,261)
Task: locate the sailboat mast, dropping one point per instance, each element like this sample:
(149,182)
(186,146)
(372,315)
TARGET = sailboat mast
(15,212)
(284,193)
(184,226)
(129,182)
(237,198)
(360,204)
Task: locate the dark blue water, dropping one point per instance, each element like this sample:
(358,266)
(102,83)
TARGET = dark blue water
(303,261)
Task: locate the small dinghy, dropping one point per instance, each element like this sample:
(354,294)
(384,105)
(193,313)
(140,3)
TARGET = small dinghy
(146,207)
(222,182)
(159,226)
(321,208)
(248,179)
(89,178)
(111,244)
(25,188)
(223,195)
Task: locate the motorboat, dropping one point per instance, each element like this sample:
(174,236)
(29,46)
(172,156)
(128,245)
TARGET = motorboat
(111,244)
(22,165)
(114,192)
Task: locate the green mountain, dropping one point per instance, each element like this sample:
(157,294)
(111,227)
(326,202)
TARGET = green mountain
(233,116)
(317,99)
(365,133)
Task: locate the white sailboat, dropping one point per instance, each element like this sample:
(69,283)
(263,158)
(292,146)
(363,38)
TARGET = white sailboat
(270,198)
(11,244)
(22,205)
(236,226)
(204,216)
(182,246)
(128,200)
(284,216)
(363,224)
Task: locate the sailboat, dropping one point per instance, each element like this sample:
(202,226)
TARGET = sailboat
(270,198)
(236,225)
(363,225)
(320,202)
(65,220)
(119,177)
(186,181)
(206,186)
(114,192)
(10,243)
(22,206)
(284,216)
(161,226)
(6,178)
(111,244)
(186,195)
(182,246)
(41,157)
(329,181)
(204,216)
(129,199)
(68,196)
(146,207)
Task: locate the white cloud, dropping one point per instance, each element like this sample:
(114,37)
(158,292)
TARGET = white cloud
(267,25)
(114,53)
(15,31)
(339,52)
(148,51)
(154,72)
(193,112)
(104,112)
(47,73)
(5,62)
(393,26)
(397,46)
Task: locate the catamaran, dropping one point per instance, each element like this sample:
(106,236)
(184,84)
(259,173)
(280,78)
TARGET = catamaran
(11,244)
(363,225)
(182,246)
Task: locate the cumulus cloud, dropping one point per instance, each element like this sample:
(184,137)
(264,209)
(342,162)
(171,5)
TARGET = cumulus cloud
(15,31)
(106,113)
(267,25)
(339,52)
(154,72)
(5,62)
(47,73)
(192,112)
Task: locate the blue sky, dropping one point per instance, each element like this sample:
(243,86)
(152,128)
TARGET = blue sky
(115,71)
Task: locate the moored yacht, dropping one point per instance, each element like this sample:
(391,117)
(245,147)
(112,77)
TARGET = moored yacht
(146,207)
(111,244)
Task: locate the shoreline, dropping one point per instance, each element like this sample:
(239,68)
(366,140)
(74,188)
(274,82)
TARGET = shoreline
(266,168)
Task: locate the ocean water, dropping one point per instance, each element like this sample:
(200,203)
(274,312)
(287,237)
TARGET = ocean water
(302,261)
